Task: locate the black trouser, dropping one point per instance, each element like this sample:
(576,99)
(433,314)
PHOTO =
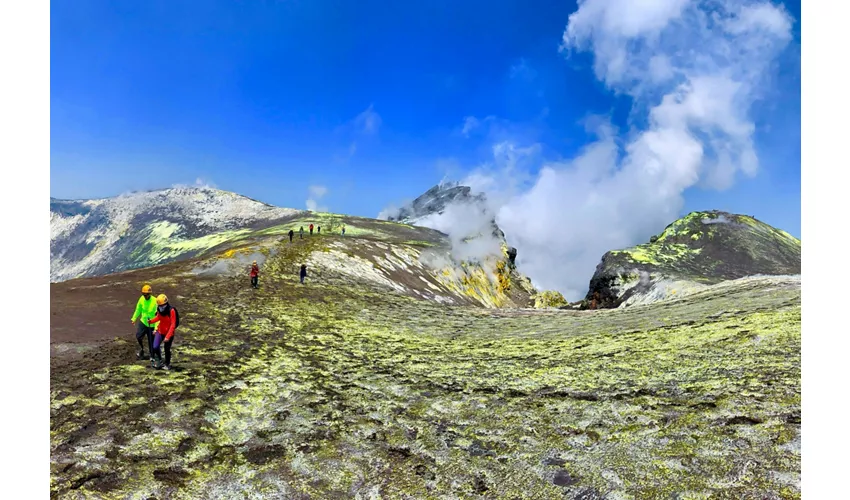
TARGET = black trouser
(143,330)
(290,238)
(167,345)
(254,280)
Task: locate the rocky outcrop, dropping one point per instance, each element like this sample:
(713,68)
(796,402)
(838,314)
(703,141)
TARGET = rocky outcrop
(480,251)
(700,249)
(435,201)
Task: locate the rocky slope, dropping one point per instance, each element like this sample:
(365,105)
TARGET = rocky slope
(700,249)
(475,237)
(435,201)
(95,237)
(362,384)
(98,237)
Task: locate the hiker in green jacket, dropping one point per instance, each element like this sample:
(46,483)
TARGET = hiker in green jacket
(145,312)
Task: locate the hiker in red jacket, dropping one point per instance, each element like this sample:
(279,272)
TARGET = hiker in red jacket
(255,275)
(311,229)
(166,322)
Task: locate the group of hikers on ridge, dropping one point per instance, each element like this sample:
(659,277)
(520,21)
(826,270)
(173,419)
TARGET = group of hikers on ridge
(255,269)
(318,231)
(156,321)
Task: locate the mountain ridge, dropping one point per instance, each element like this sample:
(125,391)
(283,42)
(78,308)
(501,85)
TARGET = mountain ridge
(100,236)
(700,249)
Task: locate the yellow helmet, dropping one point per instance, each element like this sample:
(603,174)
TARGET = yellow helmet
(255,262)
(146,289)
(161,300)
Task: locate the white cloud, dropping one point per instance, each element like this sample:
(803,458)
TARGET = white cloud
(200,182)
(767,17)
(368,122)
(693,69)
(317,192)
(470,123)
(660,69)
(522,70)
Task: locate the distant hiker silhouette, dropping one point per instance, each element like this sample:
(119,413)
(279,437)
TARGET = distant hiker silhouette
(311,229)
(255,275)
(319,229)
(291,234)
(303,272)
(301,232)
(343,230)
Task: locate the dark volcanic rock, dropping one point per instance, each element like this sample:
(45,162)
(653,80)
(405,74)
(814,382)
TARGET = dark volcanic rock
(435,200)
(702,248)
(512,255)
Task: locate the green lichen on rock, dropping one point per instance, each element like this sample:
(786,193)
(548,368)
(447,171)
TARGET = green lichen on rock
(699,249)
(549,299)
(359,384)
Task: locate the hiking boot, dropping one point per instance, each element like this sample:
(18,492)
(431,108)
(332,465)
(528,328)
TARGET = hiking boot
(140,354)
(166,367)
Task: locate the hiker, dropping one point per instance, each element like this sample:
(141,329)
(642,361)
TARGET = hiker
(145,311)
(311,229)
(167,320)
(291,234)
(255,275)
(343,229)
(301,232)
(319,229)
(303,272)
(595,302)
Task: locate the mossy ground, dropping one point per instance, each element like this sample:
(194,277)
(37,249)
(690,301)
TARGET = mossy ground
(335,389)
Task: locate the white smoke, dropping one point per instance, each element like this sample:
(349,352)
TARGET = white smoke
(200,183)
(469,227)
(316,194)
(693,69)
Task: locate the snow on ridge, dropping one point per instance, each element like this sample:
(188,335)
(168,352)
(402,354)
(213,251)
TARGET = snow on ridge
(212,209)
(206,207)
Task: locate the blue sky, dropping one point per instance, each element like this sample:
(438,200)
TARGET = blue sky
(263,98)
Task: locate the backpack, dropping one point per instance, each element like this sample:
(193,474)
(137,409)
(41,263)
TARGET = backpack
(176,317)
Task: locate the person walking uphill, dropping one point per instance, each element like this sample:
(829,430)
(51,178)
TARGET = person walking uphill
(145,311)
(291,234)
(303,272)
(301,232)
(255,275)
(167,319)
(311,229)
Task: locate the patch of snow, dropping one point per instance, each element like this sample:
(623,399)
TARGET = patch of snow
(210,209)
